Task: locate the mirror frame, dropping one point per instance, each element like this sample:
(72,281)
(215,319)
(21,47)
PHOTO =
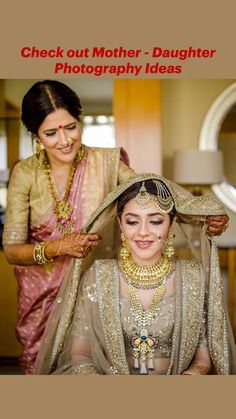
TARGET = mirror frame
(208,140)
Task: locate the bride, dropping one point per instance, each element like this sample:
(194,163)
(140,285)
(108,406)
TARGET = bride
(146,312)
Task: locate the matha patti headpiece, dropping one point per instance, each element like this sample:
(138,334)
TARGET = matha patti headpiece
(162,201)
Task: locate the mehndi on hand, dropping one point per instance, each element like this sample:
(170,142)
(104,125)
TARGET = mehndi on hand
(76,244)
(196,369)
(217,224)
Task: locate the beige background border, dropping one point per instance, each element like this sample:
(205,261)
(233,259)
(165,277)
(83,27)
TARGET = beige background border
(74,25)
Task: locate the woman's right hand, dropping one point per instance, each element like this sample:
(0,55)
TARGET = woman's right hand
(76,244)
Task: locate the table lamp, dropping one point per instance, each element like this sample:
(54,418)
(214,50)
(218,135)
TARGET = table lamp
(197,168)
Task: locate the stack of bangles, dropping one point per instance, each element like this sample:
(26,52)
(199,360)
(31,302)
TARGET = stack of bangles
(38,253)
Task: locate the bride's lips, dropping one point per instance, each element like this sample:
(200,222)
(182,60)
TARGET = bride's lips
(143,244)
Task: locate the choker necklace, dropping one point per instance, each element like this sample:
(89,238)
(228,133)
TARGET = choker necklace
(146,277)
(62,208)
(144,343)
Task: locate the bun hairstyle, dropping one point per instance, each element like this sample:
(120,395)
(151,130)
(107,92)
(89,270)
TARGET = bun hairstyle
(45,97)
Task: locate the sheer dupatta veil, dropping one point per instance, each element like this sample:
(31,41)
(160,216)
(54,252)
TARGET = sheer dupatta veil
(190,210)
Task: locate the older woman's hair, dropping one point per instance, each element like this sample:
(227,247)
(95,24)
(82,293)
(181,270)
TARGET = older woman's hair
(45,97)
(133,190)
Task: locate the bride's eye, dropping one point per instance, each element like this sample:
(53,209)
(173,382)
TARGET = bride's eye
(156,223)
(131,223)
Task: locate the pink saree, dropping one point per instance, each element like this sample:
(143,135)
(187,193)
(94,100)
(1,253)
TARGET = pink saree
(99,173)
(38,284)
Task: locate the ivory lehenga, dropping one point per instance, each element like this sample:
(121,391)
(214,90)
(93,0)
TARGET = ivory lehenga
(91,307)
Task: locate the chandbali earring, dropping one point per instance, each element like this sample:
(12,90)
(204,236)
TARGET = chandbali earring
(37,149)
(169,249)
(37,145)
(124,252)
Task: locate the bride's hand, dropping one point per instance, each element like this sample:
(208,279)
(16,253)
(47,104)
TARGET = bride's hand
(76,245)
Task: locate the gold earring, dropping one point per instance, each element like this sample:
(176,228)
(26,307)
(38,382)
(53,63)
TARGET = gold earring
(37,148)
(169,249)
(124,252)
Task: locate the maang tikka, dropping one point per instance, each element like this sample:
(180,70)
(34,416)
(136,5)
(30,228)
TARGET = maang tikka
(162,200)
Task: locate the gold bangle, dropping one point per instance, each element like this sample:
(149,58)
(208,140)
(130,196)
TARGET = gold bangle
(38,253)
(43,253)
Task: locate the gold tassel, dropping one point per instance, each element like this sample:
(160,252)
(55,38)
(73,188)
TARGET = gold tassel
(136,364)
(143,370)
(150,364)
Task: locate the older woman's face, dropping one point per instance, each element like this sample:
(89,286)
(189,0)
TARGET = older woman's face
(61,136)
(141,228)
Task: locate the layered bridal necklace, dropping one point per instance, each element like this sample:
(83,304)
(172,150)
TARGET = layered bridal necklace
(62,207)
(146,277)
(144,342)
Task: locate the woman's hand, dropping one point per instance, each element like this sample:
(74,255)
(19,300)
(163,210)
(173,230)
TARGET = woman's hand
(196,369)
(217,224)
(201,363)
(76,244)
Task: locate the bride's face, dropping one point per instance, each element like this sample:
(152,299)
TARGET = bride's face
(141,228)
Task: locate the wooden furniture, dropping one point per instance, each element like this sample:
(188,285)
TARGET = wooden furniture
(9,346)
(228,262)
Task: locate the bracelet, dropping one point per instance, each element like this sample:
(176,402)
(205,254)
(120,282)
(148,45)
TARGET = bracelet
(39,255)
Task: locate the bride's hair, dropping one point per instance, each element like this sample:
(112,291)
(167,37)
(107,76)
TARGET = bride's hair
(133,190)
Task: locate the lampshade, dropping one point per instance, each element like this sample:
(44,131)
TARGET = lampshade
(198,167)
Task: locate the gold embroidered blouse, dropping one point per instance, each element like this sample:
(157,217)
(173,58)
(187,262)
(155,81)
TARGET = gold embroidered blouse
(29,200)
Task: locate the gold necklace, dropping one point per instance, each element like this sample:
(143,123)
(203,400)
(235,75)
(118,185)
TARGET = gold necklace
(144,343)
(146,277)
(62,208)
(145,317)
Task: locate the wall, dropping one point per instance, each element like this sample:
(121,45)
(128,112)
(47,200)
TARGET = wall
(184,106)
(137,111)
(95,96)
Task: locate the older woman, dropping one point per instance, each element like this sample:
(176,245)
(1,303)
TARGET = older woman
(50,197)
(147,312)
